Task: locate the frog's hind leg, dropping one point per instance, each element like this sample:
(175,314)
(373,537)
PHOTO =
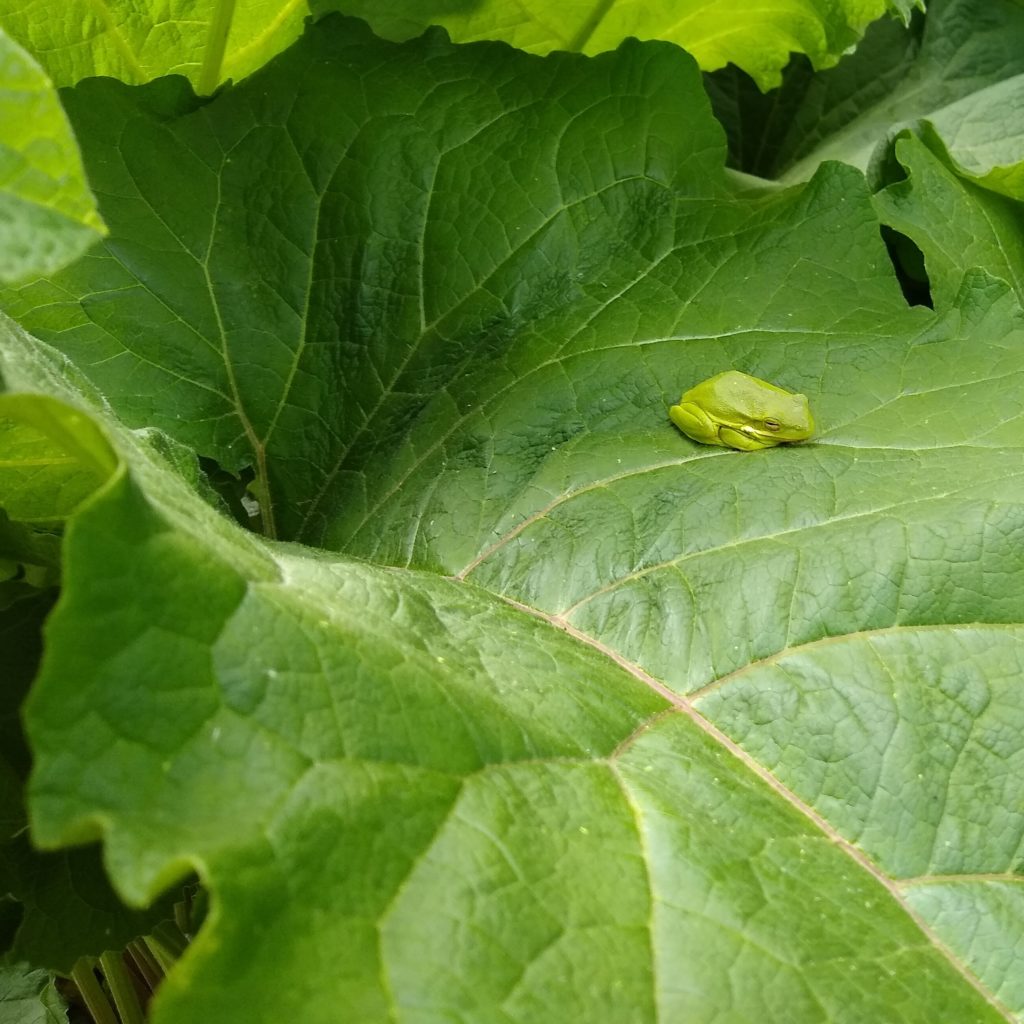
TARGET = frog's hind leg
(744,442)
(695,423)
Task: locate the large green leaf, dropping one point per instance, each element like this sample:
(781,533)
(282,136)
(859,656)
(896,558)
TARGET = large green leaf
(136,40)
(680,733)
(757,38)
(225,194)
(539,822)
(47,213)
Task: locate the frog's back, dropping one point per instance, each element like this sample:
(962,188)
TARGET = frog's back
(736,398)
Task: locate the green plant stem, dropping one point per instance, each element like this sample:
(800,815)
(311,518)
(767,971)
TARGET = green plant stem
(183,915)
(181,918)
(92,992)
(169,935)
(121,988)
(216,43)
(147,965)
(163,956)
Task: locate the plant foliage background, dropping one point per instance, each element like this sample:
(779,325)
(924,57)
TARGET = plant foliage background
(348,559)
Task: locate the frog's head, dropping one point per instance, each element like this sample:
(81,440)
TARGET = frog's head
(767,414)
(785,419)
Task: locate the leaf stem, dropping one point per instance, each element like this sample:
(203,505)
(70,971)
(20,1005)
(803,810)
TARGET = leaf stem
(122,988)
(92,992)
(146,963)
(160,953)
(171,938)
(216,44)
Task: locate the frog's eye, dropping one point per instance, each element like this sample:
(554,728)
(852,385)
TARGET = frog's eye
(772,425)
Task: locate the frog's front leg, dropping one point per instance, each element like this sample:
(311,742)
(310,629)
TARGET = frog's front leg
(744,442)
(695,423)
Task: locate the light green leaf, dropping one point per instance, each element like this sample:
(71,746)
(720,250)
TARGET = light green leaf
(208,41)
(45,476)
(581,720)
(758,39)
(47,213)
(982,136)
(29,997)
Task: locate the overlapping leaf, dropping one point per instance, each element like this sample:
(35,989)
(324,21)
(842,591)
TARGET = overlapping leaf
(986,133)
(957,66)
(47,214)
(955,223)
(137,40)
(684,733)
(757,38)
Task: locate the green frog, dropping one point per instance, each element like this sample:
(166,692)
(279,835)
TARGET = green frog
(735,410)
